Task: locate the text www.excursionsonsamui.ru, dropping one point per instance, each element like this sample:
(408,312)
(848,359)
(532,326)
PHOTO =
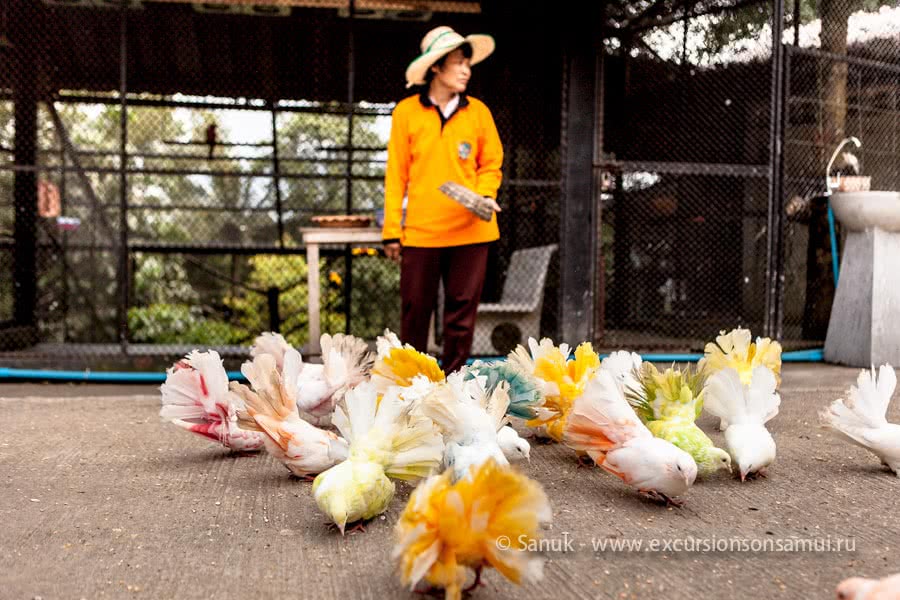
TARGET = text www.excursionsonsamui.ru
(564,543)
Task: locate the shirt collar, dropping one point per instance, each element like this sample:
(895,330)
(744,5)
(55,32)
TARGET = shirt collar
(425,100)
(451,106)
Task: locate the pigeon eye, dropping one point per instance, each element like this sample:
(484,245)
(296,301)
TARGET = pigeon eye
(678,467)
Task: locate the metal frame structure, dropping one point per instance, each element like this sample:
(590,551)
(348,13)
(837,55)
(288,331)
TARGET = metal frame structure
(581,302)
(70,154)
(119,243)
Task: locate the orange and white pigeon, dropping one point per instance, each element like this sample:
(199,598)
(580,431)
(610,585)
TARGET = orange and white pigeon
(449,528)
(603,424)
(317,388)
(861,588)
(401,365)
(195,397)
(303,448)
(559,378)
(861,418)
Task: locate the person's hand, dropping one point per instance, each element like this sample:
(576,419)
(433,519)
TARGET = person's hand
(392,251)
(493,204)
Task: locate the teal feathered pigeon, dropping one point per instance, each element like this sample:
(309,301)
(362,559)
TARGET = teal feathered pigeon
(524,395)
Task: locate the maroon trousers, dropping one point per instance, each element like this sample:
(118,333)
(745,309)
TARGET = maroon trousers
(462,269)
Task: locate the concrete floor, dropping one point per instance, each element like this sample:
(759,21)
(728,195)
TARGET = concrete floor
(103,500)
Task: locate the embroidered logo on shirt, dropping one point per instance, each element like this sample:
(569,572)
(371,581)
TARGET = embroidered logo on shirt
(465,149)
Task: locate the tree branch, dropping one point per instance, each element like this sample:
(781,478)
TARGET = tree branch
(676,13)
(656,9)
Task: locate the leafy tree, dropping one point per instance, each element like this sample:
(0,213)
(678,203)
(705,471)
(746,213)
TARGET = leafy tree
(288,274)
(213,299)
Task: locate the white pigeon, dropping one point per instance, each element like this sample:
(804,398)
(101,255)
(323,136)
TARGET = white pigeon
(273,344)
(862,588)
(419,387)
(195,397)
(317,388)
(513,446)
(603,424)
(744,411)
(861,418)
(623,366)
(303,448)
(470,422)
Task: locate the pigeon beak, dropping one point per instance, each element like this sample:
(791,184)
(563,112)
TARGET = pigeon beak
(743,476)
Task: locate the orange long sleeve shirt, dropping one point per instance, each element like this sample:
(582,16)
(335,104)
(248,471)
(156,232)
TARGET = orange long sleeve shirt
(424,152)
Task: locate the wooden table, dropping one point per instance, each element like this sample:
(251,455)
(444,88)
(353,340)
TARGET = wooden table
(313,237)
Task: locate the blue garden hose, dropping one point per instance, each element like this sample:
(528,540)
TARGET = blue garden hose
(812,355)
(95,376)
(834,248)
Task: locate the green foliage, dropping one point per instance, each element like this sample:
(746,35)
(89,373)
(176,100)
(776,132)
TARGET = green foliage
(714,27)
(375,296)
(250,309)
(208,299)
(748,22)
(6,291)
(732,26)
(158,280)
(178,324)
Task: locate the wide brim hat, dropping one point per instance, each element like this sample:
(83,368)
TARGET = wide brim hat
(441,41)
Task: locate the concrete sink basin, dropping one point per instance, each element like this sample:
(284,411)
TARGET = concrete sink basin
(863,328)
(859,211)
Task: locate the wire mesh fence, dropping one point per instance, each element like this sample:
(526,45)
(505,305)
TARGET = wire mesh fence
(157,181)
(160,161)
(833,93)
(694,176)
(685,180)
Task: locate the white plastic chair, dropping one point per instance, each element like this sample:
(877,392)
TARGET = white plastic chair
(517,316)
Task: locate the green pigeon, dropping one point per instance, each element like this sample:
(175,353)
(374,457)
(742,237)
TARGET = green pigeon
(668,403)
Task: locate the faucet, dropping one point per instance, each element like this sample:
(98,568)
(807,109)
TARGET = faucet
(836,183)
(829,186)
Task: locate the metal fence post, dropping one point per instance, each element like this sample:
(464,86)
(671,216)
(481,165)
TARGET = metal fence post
(578,234)
(25,236)
(774,229)
(123,180)
(272,296)
(351,98)
(276,174)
